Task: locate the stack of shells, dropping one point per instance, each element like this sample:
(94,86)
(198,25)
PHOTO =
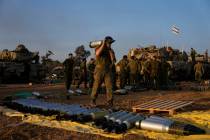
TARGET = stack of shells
(108,120)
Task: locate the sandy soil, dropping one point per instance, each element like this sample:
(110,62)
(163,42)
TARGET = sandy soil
(10,128)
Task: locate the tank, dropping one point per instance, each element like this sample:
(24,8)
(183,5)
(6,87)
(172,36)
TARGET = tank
(180,62)
(20,65)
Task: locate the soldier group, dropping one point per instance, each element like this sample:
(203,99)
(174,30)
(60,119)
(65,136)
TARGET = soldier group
(152,72)
(147,72)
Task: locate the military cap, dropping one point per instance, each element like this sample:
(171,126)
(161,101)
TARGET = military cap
(109,39)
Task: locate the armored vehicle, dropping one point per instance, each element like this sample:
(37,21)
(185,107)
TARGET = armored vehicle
(20,66)
(181,65)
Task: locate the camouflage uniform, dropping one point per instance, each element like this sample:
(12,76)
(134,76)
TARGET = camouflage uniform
(103,71)
(123,63)
(198,68)
(133,69)
(68,70)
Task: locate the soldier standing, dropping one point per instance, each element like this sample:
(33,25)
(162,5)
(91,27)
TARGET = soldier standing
(146,69)
(199,71)
(192,54)
(91,68)
(164,70)
(123,64)
(68,70)
(83,73)
(133,69)
(103,70)
(154,72)
(139,71)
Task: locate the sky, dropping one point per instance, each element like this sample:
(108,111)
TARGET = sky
(62,25)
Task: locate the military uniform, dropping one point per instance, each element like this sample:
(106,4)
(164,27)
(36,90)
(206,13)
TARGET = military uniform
(198,68)
(146,72)
(103,71)
(83,74)
(139,71)
(154,73)
(163,77)
(123,64)
(133,69)
(68,71)
(91,68)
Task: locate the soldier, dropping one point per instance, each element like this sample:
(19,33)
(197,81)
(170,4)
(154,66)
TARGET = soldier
(139,71)
(123,64)
(103,70)
(68,70)
(163,76)
(154,72)
(83,73)
(192,54)
(145,71)
(133,69)
(91,68)
(199,71)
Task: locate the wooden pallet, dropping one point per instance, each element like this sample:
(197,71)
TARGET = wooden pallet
(158,105)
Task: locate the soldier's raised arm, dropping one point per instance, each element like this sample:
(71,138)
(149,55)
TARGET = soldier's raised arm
(99,49)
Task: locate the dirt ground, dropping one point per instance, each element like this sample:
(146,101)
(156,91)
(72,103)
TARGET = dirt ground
(10,128)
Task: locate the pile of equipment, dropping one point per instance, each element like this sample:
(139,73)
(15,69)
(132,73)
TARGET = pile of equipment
(110,121)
